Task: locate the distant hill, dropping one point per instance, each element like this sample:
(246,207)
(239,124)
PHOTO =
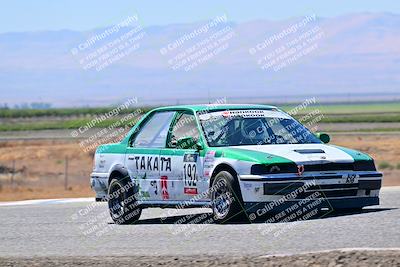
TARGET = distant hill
(355,56)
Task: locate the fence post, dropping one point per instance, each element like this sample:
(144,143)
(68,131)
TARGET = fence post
(13,172)
(66,174)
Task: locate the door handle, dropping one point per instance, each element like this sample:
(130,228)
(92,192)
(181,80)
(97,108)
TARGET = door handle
(131,157)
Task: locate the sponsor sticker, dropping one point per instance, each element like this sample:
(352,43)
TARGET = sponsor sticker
(350,178)
(164,187)
(155,187)
(247,186)
(190,157)
(190,191)
(245,113)
(208,163)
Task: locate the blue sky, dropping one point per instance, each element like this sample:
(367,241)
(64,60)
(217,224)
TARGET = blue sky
(28,15)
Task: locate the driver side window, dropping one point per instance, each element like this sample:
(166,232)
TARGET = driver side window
(185,126)
(153,133)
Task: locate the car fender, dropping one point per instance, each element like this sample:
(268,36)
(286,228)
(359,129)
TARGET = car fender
(118,170)
(239,166)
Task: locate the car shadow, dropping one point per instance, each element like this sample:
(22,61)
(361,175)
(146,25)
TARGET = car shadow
(207,218)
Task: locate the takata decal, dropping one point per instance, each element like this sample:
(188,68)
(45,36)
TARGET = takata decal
(164,187)
(151,163)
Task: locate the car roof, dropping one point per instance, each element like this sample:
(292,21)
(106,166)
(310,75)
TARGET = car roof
(214,107)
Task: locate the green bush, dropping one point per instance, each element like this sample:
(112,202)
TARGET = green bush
(385,165)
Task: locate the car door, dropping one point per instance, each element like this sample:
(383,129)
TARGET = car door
(142,157)
(185,181)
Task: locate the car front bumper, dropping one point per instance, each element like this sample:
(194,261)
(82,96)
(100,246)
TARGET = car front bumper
(329,204)
(337,188)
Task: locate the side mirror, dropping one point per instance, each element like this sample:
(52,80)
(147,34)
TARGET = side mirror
(172,143)
(325,138)
(188,143)
(199,146)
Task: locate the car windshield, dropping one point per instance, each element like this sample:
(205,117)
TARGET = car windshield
(253,127)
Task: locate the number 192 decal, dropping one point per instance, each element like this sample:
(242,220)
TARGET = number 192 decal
(190,177)
(190,174)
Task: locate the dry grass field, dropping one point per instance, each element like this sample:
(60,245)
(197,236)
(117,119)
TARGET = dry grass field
(40,165)
(384,148)
(40,169)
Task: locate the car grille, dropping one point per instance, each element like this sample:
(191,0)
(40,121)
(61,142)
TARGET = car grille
(329,167)
(330,190)
(362,165)
(324,191)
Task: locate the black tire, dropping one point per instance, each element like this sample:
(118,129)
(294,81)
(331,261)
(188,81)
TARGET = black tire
(226,200)
(122,203)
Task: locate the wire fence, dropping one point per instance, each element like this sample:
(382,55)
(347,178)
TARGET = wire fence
(45,173)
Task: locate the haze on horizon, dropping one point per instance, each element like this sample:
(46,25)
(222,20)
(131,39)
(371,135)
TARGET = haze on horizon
(354,52)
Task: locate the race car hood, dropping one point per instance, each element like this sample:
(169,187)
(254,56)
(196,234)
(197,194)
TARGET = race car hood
(298,153)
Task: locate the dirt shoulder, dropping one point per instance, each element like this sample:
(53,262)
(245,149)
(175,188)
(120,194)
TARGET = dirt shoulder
(385,149)
(363,258)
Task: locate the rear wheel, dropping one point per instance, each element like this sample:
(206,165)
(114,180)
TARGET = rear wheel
(122,203)
(226,202)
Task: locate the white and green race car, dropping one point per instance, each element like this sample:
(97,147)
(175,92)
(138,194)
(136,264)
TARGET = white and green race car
(236,159)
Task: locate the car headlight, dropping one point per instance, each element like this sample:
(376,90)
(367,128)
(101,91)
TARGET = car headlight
(260,169)
(364,165)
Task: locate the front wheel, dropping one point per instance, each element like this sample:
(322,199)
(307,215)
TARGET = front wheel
(122,203)
(226,202)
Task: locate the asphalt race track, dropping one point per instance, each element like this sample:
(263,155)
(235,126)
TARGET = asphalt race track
(82,228)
